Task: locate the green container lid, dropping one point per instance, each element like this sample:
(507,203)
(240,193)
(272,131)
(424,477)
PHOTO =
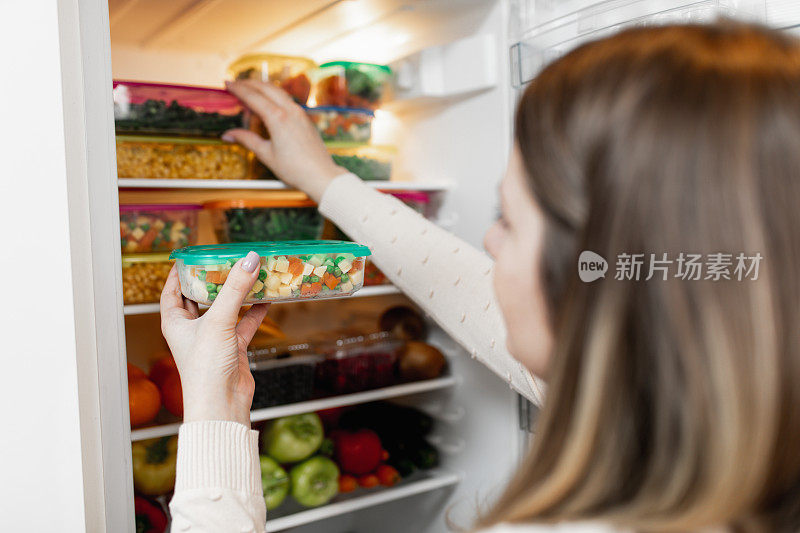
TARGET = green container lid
(214,254)
(356,65)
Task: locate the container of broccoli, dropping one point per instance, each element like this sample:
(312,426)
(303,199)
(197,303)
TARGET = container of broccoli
(276,219)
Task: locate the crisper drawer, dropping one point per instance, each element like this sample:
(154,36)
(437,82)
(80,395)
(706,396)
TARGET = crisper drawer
(547,29)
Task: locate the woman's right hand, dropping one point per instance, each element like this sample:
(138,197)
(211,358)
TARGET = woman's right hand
(294,152)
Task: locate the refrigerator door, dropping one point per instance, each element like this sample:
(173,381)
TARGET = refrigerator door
(546,29)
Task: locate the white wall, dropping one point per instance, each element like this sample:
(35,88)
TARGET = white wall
(40,452)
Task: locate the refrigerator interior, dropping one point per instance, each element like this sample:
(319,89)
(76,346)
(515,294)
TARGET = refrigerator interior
(460,64)
(451,128)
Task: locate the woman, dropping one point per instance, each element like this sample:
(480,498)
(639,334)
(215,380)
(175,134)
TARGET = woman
(672,402)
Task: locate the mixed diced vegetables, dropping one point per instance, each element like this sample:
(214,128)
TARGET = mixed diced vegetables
(154,230)
(337,124)
(281,277)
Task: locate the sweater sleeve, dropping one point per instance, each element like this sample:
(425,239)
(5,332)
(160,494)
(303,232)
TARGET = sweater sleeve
(218,480)
(445,276)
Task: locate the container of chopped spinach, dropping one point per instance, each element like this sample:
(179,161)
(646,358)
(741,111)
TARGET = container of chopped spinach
(156,108)
(368,162)
(278,219)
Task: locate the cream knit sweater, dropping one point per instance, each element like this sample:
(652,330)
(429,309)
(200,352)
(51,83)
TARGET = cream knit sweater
(218,483)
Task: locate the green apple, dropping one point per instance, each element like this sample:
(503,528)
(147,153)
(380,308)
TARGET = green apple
(293,438)
(314,481)
(274,482)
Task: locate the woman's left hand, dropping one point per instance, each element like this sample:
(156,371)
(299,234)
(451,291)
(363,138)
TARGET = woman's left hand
(210,351)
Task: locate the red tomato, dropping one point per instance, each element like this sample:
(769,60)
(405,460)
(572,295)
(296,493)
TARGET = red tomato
(387,475)
(134,372)
(162,368)
(368,481)
(358,452)
(172,393)
(347,483)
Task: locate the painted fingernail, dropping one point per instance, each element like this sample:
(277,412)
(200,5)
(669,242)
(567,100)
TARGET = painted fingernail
(227,137)
(250,262)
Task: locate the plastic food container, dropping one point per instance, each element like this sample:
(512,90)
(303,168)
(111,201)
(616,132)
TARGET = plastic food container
(350,84)
(265,220)
(368,162)
(290,270)
(342,124)
(157,227)
(359,363)
(288,72)
(174,109)
(283,372)
(143,277)
(173,158)
(416,200)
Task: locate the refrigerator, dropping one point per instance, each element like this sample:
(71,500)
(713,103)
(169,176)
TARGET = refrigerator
(459,67)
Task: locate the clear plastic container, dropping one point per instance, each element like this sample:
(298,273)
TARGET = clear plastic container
(283,372)
(359,363)
(158,108)
(278,219)
(172,158)
(351,84)
(157,227)
(290,73)
(416,200)
(289,271)
(341,124)
(144,276)
(368,162)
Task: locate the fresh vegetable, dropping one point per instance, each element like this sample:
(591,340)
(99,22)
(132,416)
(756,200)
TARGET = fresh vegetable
(274,482)
(330,417)
(154,465)
(387,475)
(165,375)
(404,322)
(172,394)
(158,116)
(134,372)
(164,366)
(358,452)
(369,481)
(293,438)
(314,481)
(272,224)
(144,400)
(347,483)
(365,168)
(424,455)
(150,517)
(420,361)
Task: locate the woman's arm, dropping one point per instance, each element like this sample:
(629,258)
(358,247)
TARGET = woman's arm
(445,276)
(448,278)
(218,479)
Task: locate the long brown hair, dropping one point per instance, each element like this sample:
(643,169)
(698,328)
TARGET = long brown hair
(673,404)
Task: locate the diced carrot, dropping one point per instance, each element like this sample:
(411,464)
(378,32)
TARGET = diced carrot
(330,280)
(316,287)
(216,276)
(305,289)
(296,268)
(147,240)
(358,264)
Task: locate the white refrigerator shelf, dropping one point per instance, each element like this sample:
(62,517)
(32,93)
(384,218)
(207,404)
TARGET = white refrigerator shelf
(136,183)
(377,290)
(269,413)
(361,499)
